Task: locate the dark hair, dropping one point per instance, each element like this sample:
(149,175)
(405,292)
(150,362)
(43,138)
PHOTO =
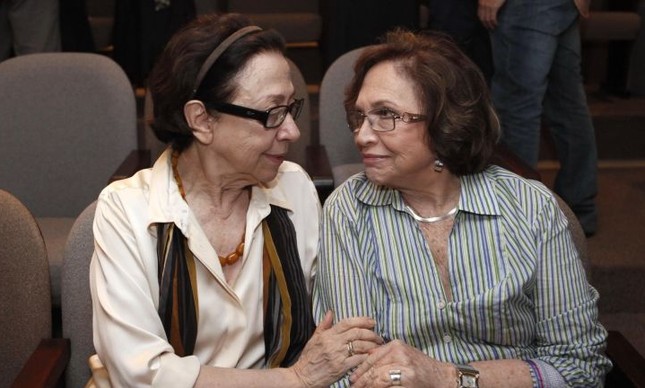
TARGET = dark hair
(173,77)
(462,124)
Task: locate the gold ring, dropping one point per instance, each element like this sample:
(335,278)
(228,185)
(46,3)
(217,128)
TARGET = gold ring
(395,376)
(350,348)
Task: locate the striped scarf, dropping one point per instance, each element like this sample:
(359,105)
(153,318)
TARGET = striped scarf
(288,322)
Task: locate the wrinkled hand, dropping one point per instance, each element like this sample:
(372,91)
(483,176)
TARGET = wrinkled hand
(487,12)
(326,358)
(416,368)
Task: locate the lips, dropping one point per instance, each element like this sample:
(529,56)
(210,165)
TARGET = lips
(372,159)
(275,158)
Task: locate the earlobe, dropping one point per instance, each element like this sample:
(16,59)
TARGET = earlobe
(199,120)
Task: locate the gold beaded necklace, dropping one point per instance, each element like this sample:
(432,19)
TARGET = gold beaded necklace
(229,259)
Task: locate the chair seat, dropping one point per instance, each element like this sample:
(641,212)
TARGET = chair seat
(55,231)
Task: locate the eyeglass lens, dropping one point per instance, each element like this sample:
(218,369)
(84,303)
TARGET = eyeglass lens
(279,113)
(379,119)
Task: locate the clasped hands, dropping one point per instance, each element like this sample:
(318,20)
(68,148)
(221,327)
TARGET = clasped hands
(352,344)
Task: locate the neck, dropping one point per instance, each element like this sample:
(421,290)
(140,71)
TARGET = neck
(434,198)
(201,184)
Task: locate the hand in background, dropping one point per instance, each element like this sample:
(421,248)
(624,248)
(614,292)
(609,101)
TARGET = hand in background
(487,12)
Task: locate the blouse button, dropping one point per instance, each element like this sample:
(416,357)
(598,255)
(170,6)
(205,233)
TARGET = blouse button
(441,304)
(447,338)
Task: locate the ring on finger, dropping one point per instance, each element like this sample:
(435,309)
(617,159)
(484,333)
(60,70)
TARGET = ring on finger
(350,348)
(395,376)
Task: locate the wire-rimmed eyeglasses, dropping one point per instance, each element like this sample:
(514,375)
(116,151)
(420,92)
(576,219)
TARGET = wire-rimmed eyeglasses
(270,118)
(380,119)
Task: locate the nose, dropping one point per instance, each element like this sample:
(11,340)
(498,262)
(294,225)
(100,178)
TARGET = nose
(364,134)
(364,119)
(289,130)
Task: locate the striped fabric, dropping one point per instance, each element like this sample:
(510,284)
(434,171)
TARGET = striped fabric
(288,322)
(519,290)
(177,289)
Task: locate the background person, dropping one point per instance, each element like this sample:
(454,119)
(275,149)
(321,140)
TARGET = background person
(203,264)
(28,26)
(458,18)
(537,74)
(467,268)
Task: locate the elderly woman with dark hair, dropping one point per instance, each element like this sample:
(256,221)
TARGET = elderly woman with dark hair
(203,264)
(468,269)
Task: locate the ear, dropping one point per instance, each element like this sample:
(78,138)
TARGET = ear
(199,120)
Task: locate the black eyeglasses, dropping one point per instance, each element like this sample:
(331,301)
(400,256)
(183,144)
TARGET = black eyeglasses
(271,118)
(380,119)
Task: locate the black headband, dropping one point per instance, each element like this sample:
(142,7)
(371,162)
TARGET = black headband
(219,50)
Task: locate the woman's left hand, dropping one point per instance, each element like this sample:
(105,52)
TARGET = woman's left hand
(398,364)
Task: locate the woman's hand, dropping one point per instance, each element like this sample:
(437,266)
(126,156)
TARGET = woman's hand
(334,350)
(398,364)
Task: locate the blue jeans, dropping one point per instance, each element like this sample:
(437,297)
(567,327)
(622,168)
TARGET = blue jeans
(536,55)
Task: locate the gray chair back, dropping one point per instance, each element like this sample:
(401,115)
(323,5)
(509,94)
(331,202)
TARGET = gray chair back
(25,301)
(343,156)
(296,150)
(68,120)
(76,305)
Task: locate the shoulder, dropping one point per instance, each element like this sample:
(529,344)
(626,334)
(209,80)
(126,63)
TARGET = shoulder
(356,195)
(132,186)
(157,177)
(293,173)
(292,188)
(510,184)
(291,177)
(516,195)
(347,192)
(141,193)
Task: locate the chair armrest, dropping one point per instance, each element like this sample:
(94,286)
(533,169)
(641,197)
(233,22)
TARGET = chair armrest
(135,161)
(319,169)
(46,365)
(503,157)
(629,364)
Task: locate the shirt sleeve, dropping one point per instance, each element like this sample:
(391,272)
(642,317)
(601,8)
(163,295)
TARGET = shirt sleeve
(569,336)
(342,280)
(342,283)
(128,335)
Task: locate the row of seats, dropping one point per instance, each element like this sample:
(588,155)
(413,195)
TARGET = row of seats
(68,121)
(29,356)
(611,30)
(299,21)
(75,122)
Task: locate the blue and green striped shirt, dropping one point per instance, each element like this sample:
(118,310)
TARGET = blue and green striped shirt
(519,290)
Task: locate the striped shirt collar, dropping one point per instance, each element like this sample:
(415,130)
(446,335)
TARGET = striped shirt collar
(478,193)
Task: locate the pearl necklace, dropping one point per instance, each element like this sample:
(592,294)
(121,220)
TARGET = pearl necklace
(430,220)
(224,260)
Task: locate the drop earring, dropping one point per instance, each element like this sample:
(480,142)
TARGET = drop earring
(438,165)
